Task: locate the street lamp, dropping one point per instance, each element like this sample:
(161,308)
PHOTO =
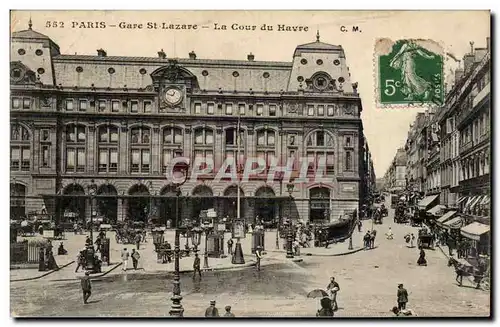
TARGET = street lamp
(205,257)
(92,188)
(176,310)
(289,252)
(196,238)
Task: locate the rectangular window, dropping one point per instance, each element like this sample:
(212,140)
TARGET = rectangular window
(45,156)
(135,160)
(242,109)
(101,105)
(69,105)
(229,108)
(209,137)
(310,110)
(81,134)
(167,156)
(330,112)
(145,161)
(147,106)
(198,137)
(348,141)
(330,162)
(270,138)
(45,135)
(272,110)
(70,159)
(26,103)
(25,159)
(16,103)
(80,164)
(134,106)
(348,161)
(321,110)
(15,158)
(261,138)
(320,139)
(115,106)
(260,109)
(177,136)
(113,136)
(210,108)
(113,160)
(197,108)
(103,160)
(83,105)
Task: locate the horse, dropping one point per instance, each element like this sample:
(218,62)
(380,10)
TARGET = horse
(463,271)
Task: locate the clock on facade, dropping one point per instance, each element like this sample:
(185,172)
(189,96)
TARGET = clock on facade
(173,96)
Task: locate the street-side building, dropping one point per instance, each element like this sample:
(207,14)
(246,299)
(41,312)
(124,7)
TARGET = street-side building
(396,173)
(107,127)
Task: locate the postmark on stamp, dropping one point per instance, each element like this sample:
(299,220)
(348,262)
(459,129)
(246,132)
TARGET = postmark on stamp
(409,73)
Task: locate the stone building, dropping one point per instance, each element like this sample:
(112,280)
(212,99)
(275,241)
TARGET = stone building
(396,173)
(94,134)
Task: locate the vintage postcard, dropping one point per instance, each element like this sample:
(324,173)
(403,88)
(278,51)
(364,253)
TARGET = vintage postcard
(250,164)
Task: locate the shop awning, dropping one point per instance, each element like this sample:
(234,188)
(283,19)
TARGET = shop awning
(447,216)
(436,210)
(475,202)
(469,202)
(453,223)
(425,202)
(462,199)
(486,200)
(474,230)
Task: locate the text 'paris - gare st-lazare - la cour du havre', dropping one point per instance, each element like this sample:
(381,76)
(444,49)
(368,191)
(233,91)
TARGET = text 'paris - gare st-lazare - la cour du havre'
(171,26)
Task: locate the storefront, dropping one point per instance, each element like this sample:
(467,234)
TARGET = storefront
(444,218)
(479,234)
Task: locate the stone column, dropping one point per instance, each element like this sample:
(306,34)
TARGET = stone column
(124,153)
(91,149)
(155,150)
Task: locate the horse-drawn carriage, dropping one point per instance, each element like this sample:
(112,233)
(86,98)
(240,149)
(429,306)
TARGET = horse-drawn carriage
(465,269)
(378,217)
(425,239)
(400,215)
(335,232)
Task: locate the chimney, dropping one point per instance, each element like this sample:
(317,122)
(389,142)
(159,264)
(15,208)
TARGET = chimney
(101,53)
(162,54)
(459,73)
(468,61)
(192,55)
(479,54)
(250,57)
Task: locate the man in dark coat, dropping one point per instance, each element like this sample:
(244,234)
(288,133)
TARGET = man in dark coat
(326,308)
(212,311)
(230,246)
(402,297)
(258,256)
(333,287)
(86,287)
(366,240)
(196,265)
(421,259)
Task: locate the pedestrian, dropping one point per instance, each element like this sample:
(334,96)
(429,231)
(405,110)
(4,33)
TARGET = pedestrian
(86,287)
(258,256)
(389,234)
(296,247)
(61,250)
(230,246)
(403,313)
(372,239)
(135,258)
(366,240)
(196,265)
(168,247)
(228,313)
(412,240)
(421,258)
(75,228)
(360,225)
(98,243)
(144,235)
(333,288)
(125,255)
(326,308)
(402,297)
(137,239)
(212,311)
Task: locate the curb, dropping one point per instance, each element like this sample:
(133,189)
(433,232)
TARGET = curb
(91,277)
(323,255)
(43,275)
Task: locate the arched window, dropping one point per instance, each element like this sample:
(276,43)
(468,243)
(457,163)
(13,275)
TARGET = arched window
(75,148)
(140,150)
(319,148)
(266,146)
(20,148)
(203,144)
(108,149)
(172,145)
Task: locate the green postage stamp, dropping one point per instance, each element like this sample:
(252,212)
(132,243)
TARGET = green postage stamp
(409,73)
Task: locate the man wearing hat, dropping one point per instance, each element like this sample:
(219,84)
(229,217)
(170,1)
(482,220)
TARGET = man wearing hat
(212,311)
(402,297)
(86,287)
(258,256)
(228,312)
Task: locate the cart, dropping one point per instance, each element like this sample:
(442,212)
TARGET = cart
(425,240)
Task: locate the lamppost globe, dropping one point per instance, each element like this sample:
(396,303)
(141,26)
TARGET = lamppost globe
(196,237)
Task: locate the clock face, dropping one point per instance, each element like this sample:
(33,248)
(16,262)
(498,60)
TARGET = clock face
(173,96)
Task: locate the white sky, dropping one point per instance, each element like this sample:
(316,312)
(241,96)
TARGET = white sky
(385,129)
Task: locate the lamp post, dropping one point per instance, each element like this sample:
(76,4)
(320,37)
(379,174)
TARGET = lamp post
(205,257)
(196,238)
(289,252)
(176,310)
(92,191)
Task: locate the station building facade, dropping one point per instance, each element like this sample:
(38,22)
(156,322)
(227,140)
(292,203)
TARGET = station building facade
(106,127)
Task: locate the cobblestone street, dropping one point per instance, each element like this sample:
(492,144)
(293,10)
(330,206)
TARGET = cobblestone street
(368,281)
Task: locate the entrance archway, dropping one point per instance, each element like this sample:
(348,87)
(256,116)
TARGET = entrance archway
(203,199)
(168,204)
(319,204)
(107,208)
(266,205)
(17,201)
(74,207)
(138,207)
(230,205)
